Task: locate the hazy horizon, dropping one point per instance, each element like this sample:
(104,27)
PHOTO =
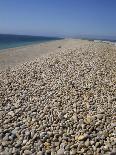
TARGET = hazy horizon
(97,37)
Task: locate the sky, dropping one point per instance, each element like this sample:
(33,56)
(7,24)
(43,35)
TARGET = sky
(58,17)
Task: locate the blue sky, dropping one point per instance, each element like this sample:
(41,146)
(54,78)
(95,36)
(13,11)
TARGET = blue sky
(58,17)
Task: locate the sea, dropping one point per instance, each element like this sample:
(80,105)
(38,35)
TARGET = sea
(12,41)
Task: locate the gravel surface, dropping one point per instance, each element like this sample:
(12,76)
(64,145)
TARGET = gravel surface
(60,104)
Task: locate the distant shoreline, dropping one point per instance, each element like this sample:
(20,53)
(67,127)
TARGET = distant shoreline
(11,57)
(27,45)
(36,43)
(14,41)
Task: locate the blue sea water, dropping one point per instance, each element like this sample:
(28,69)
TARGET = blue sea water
(12,41)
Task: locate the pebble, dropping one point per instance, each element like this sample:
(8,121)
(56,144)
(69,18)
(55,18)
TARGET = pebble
(25,141)
(27,152)
(99,116)
(40,153)
(18,144)
(87,143)
(11,113)
(81,137)
(73,152)
(27,133)
(62,103)
(60,152)
(42,134)
(4,143)
(6,138)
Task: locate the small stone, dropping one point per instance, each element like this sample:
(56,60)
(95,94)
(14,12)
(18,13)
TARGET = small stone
(60,152)
(18,143)
(106,147)
(27,152)
(99,116)
(12,136)
(4,143)
(25,141)
(97,144)
(62,145)
(11,113)
(81,137)
(25,147)
(92,142)
(87,143)
(74,117)
(88,119)
(42,134)
(16,104)
(67,152)
(14,131)
(6,138)
(46,144)
(66,116)
(14,150)
(27,133)
(73,152)
(40,153)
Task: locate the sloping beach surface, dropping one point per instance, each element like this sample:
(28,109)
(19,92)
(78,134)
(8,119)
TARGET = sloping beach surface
(61,103)
(15,56)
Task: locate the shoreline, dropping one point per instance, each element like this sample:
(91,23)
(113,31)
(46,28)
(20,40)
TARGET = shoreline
(40,43)
(9,57)
(12,57)
(23,46)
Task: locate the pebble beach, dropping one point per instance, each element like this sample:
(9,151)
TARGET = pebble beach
(60,103)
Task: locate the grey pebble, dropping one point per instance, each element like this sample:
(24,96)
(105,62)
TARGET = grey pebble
(27,152)
(18,144)
(60,152)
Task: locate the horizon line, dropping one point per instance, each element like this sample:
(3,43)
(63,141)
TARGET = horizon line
(81,36)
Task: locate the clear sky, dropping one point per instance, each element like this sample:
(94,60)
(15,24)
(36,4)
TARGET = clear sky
(58,17)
